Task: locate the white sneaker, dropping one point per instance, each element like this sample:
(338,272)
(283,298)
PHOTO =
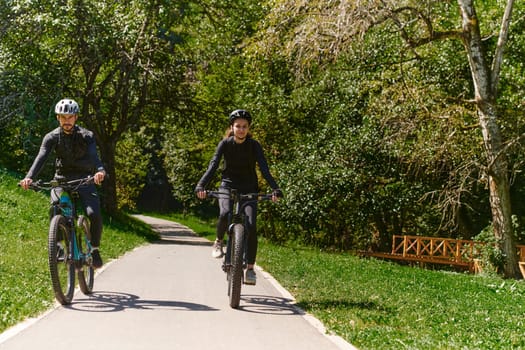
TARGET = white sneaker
(217,249)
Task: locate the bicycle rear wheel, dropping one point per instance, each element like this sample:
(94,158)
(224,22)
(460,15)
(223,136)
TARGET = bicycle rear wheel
(86,273)
(61,267)
(236,270)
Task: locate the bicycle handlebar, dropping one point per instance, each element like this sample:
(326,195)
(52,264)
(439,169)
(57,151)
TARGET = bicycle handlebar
(240,196)
(66,185)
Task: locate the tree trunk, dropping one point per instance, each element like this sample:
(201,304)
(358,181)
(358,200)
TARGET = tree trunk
(498,177)
(109,186)
(497,168)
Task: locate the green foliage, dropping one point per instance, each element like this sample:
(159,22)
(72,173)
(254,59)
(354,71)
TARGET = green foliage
(132,168)
(357,164)
(118,59)
(184,159)
(491,256)
(345,187)
(25,108)
(385,142)
(366,138)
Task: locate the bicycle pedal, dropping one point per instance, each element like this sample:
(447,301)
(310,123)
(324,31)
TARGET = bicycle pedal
(61,255)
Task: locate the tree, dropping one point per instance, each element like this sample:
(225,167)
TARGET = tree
(116,58)
(486,80)
(122,59)
(319,32)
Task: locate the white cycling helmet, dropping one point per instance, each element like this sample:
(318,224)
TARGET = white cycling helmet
(67,106)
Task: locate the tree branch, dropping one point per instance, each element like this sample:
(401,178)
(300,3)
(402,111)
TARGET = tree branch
(432,34)
(502,40)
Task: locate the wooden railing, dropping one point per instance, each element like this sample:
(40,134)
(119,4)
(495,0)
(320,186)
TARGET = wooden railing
(435,250)
(446,250)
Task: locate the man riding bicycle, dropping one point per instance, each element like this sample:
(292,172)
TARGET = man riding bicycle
(76,157)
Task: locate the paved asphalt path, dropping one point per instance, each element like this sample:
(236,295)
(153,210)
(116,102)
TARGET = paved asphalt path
(172,295)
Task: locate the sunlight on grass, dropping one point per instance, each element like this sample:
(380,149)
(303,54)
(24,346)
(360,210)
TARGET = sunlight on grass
(380,305)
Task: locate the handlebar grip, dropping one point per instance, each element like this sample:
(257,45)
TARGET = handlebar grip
(214,194)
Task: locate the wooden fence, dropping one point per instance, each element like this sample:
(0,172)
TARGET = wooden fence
(459,253)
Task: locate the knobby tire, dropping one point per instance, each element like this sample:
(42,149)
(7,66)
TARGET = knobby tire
(236,271)
(61,268)
(85,272)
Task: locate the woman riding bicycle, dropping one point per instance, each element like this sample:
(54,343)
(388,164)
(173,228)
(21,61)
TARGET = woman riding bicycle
(76,157)
(241,153)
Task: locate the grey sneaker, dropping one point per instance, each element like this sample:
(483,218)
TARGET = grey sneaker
(217,249)
(250,277)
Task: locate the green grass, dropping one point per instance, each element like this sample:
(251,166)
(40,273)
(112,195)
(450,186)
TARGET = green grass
(377,304)
(381,305)
(372,304)
(25,288)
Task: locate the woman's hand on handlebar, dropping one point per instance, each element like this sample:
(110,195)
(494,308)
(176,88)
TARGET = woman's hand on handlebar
(201,194)
(276,194)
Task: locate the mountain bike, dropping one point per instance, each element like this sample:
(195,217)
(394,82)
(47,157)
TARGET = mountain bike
(69,239)
(234,261)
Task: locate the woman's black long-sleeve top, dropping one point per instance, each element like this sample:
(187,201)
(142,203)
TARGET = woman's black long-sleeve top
(239,170)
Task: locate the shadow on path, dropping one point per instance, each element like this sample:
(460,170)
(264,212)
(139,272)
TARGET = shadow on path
(115,301)
(263,304)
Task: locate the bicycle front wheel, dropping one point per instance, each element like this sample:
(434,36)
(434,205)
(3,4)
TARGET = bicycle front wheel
(61,266)
(236,270)
(86,273)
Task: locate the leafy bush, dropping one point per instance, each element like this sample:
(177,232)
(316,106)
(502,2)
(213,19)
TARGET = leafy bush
(491,256)
(132,167)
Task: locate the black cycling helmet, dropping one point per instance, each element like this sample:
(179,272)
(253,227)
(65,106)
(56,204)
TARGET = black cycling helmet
(240,113)
(66,106)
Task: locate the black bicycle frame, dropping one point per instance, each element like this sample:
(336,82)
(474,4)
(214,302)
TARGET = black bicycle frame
(237,216)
